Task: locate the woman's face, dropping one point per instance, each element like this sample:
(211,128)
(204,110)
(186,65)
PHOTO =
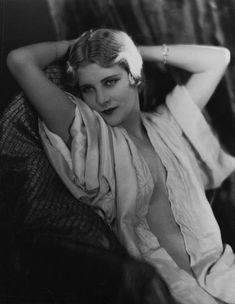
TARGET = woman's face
(109,92)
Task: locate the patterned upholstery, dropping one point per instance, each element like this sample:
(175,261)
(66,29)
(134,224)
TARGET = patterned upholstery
(35,206)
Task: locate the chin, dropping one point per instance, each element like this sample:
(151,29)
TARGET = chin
(113,122)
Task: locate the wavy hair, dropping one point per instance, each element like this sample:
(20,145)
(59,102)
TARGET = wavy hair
(106,47)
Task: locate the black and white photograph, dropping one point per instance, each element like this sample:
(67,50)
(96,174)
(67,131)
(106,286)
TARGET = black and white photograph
(117,152)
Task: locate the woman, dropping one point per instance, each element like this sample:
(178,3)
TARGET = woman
(147,171)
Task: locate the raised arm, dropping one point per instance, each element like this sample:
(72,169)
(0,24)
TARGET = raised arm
(26,64)
(206,63)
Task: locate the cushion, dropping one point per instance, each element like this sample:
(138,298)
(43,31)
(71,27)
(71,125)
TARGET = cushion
(37,212)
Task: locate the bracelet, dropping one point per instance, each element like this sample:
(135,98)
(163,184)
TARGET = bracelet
(165,53)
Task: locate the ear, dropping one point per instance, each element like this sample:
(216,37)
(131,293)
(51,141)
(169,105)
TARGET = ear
(131,79)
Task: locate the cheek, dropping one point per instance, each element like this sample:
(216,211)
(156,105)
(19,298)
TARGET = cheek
(127,95)
(89,100)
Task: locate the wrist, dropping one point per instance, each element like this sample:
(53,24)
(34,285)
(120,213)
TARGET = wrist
(157,53)
(165,53)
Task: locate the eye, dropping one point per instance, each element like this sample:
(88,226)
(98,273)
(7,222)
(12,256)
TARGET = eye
(86,90)
(111,82)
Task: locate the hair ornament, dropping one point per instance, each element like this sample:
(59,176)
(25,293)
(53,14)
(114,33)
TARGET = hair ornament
(131,55)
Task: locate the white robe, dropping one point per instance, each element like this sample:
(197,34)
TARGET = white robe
(105,169)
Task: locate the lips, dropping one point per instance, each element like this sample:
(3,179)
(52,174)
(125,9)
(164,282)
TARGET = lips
(109,111)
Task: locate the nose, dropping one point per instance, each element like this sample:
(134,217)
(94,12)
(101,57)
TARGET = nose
(101,97)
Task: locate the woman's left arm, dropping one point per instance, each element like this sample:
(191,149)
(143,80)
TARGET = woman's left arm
(206,63)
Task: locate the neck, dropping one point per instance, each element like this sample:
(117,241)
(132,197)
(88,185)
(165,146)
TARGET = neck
(134,126)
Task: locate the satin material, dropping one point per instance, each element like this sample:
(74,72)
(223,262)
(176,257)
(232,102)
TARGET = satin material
(105,169)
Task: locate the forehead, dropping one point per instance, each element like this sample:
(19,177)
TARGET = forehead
(93,72)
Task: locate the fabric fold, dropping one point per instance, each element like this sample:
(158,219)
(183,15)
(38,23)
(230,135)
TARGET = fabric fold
(217,162)
(105,169)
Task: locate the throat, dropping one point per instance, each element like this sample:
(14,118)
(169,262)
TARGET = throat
(134,127)
(140,137)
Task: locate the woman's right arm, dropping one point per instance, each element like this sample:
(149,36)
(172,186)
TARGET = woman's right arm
(27,64)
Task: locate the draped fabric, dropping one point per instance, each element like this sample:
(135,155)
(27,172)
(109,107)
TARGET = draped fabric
(115,177)
(27,178)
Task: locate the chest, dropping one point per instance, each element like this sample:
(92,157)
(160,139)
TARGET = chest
(153,162)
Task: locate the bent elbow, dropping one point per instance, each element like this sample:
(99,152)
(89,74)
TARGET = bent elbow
(15,59)
(225,56)
(221,61)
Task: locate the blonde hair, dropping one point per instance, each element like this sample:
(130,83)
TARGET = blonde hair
(106,47)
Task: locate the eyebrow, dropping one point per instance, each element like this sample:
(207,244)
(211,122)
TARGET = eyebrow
(102,80)
(111,76)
